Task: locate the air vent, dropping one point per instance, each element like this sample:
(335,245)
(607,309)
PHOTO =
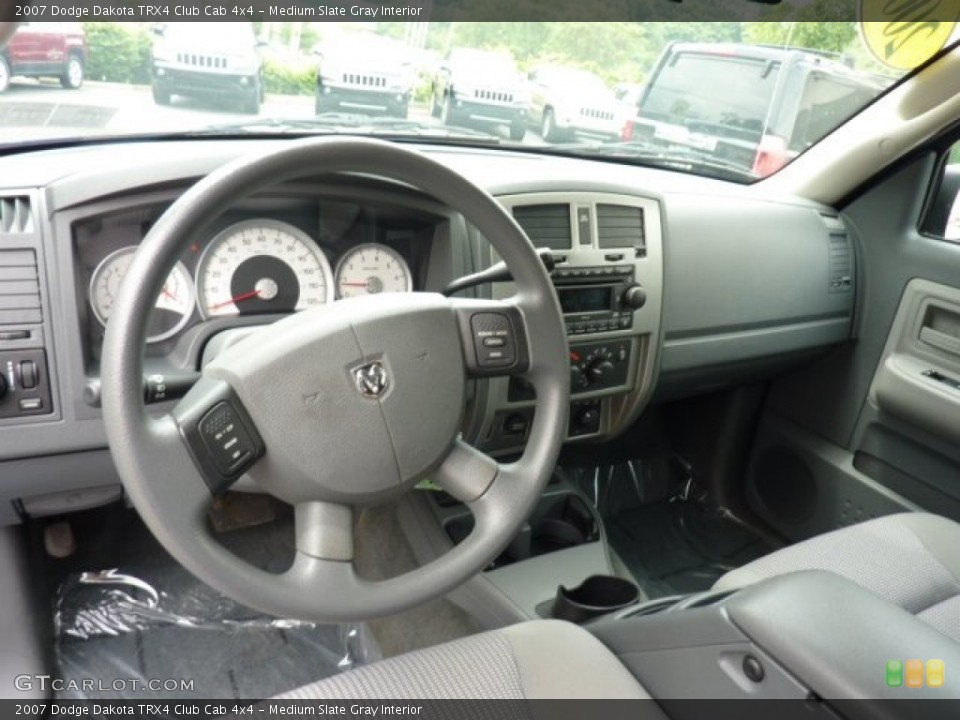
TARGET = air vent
(19,288)
(621,226)
(546,225)
(841,257)
(15,216)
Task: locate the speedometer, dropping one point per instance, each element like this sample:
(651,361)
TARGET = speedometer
(370,269)
(262,266)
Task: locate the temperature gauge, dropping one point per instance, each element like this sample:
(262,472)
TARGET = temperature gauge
(174,305)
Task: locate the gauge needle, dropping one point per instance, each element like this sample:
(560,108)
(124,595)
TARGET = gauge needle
(170,295)
(238,298)
(359,284)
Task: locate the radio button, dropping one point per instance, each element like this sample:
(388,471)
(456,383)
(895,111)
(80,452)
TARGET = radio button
(626,321)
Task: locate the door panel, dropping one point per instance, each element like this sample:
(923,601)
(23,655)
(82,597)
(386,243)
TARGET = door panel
(918,380)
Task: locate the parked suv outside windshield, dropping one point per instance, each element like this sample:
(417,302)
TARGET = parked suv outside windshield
(734,100)
(756,106)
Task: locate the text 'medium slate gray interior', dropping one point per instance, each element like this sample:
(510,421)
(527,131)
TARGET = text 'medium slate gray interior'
(714,427)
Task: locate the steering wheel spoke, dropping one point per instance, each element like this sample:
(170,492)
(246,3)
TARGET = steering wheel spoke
(222,439)
(324,530)
(466,473)
(493,334)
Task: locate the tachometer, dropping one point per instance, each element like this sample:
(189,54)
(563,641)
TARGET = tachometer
(174,304)
(262,266)
(370,269)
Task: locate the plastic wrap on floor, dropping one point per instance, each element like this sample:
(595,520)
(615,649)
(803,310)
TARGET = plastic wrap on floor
(120,637)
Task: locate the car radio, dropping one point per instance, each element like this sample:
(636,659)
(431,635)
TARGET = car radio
(598,299)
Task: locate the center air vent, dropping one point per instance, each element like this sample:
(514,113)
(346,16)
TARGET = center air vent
(19,288)
(15,216)
(621,226)
(546,225)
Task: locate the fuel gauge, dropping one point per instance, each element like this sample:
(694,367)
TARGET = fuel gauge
(174,305)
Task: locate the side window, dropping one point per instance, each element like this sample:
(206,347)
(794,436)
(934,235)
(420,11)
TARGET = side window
(943,215)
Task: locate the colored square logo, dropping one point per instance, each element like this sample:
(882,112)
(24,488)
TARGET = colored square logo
(894,673)
(935,673)
(914,673)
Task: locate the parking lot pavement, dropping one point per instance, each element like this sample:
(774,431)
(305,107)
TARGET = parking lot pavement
(37,109)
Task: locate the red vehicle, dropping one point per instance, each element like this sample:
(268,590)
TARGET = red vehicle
(46,49)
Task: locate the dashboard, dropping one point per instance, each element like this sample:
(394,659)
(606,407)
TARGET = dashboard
(671,285)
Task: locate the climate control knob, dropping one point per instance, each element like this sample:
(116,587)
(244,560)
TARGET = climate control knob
(633,297)
(600,371)
(578,381)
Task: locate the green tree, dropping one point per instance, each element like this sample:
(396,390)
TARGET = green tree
(832,36)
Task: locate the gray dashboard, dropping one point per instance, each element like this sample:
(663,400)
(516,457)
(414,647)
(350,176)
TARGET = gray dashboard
(736,282)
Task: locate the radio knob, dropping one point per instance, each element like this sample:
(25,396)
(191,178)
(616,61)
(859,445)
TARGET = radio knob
(634,297)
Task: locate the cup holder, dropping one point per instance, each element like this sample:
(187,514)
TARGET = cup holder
(595,596)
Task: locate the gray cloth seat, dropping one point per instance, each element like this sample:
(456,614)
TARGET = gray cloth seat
(540,659)
(911,560)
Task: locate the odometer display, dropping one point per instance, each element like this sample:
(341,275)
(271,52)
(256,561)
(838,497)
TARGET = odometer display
(262,266)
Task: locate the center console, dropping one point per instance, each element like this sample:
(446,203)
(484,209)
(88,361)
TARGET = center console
(608,277)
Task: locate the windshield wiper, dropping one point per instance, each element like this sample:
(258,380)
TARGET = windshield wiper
(348,123)
(331,123)
(682,158)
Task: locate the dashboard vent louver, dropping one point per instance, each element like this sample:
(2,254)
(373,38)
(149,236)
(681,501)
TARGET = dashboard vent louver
(621,226)
(19,288)
(546,225)
(15,215)
(841,256)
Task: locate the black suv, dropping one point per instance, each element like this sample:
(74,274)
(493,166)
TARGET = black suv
(755,106)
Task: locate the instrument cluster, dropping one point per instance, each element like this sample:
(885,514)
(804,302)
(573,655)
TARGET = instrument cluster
(254,263)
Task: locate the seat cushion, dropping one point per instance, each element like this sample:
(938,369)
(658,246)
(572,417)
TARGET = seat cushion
(910,559)
(532,660)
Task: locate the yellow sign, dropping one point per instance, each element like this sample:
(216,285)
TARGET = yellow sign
(904,34)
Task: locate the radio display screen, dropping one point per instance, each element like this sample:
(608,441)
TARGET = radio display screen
(584,300)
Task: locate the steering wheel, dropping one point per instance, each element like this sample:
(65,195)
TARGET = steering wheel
(337,407)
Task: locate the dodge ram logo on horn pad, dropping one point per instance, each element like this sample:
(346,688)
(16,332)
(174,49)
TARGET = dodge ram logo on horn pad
(372,379)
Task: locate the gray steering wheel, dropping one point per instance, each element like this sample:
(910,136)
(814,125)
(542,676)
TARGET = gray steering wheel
(339,407)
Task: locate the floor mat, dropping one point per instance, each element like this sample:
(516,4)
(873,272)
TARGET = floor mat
(673,539)
(680,547)
(145,628)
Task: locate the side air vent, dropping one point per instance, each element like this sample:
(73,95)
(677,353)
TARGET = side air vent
(841,257)
(15,216)
(621,226)
(546,225)
(19,288)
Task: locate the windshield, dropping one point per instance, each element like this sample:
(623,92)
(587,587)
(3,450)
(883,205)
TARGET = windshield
(737,100)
